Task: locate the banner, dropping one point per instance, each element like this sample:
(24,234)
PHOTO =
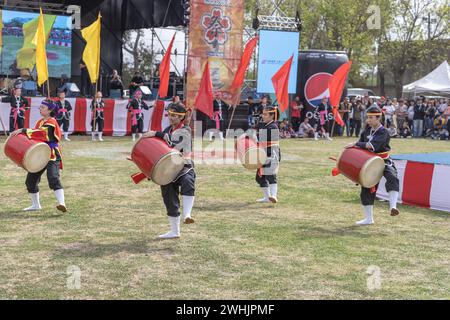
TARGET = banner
(275,48)
(216,28)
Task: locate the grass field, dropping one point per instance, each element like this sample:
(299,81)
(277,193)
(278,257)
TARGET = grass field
(304,247)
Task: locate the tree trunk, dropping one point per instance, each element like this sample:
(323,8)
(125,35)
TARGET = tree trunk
(381,84)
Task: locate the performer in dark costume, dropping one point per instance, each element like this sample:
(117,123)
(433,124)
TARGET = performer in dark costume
(18,107)
(98,115)
(375,138)
(324,123)
(137,118)
(63,115)
(46,130)
(268,137)
(220,115)
(178,136)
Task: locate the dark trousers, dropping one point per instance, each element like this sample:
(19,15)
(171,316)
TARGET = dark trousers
(184,184)
(355,126)
(54,183)
(265,180)
(99,124)
(295,124)
(392,184)
(139,127)
(20,123)
(64,124)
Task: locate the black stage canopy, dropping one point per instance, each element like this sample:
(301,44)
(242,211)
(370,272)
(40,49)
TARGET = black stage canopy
(118,16)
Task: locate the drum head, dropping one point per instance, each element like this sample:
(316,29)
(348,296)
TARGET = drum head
(254,158)
(167,168)
(37,157)
(372,172)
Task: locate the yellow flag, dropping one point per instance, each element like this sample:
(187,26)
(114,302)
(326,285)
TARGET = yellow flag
(26,56)
(41,55)
(91,53)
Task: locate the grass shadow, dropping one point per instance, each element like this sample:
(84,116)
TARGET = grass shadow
(20,215)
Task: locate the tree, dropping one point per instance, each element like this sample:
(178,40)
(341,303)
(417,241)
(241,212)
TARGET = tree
(404,45)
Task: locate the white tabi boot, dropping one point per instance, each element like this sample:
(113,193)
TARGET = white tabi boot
(188,203)
(368,212)
(393,198)
(93,136)
(273,189)
(100,136)
(266,194)
(174,229)
(61,202)
(35,204)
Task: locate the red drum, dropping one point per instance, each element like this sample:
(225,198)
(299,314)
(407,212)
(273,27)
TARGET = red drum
(29,154)
(361,166)
(251,155)
(157,160)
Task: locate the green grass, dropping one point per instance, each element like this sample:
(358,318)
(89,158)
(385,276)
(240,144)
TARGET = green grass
(305,247)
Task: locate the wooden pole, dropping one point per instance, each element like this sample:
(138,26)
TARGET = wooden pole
(95,108)
(48,89)
(234,109)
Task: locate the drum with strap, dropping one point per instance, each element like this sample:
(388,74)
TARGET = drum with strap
(156,160)
(251,155)
(361,166)
(32,155)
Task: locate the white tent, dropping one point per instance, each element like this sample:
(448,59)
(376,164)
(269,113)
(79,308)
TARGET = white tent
(437,82)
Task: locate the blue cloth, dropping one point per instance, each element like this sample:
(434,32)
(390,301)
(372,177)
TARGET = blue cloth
(434,158)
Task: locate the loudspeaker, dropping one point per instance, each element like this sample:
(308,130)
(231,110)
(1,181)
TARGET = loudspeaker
(146,92)
(29,88)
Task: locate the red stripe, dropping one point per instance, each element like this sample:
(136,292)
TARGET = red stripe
(27,114)
(417,183)
(109,117)
(79,117)
(158,112)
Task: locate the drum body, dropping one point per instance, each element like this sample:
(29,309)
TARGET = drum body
(361,166)
(29,154)
(250,154)
(157,160)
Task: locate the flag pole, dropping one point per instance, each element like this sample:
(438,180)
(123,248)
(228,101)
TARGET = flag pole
(232,114)
(95,108)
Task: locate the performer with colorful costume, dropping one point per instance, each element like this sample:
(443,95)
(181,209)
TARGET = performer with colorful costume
(97,108)
(268,136)
(137,118)
(178,136)
(46,130)
(375,138)
(19,105)
(63,115)
(220,115)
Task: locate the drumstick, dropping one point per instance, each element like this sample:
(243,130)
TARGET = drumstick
(3,126)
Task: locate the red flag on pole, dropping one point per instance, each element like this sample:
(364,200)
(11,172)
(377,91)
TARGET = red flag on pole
(204,100)
(336,87)
(164,71)
(281,82)
(243,65)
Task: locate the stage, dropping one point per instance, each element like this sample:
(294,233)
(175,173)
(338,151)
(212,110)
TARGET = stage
(117,117)
(424,180)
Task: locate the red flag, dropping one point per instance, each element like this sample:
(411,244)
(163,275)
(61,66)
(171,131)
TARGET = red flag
(336,87)
(243,65)
(281,82)
(164,71)
(204,100)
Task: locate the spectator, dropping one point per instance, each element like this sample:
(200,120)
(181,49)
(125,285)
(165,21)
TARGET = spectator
(401,113)
(296,109)
(430,114)
(345,109)
(442,106)
(419,116)
(306,130)
(357,110)
(115,83)
(252,112)
(440,131)
(405,130)
(135,83)
(392,130)
(389,111)
(410,117)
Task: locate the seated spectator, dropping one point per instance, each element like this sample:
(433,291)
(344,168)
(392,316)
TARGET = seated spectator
(405,131)
(392,130)
(440,131)
(306,130)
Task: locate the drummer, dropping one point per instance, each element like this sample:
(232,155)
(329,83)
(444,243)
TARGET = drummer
(178,136)
(268,136)
(375,138)
(46,130)
(18,107)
